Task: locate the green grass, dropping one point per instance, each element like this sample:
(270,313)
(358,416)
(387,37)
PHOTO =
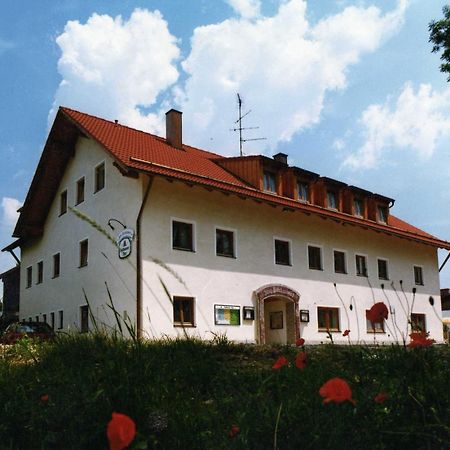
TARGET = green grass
(186,394)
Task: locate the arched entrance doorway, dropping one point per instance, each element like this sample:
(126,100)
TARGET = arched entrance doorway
(278,314)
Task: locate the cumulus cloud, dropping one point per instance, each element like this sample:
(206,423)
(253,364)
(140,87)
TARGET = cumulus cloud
(117,68)
(9,211)
(246,8)
(283,66)
(415,121)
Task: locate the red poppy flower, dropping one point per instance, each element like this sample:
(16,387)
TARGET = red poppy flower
(299,342)
(346,333)
(234,430)
(300,360)
(381,397)
(378,313)
(336,390)
(44,398)
(121,431)
(420,339)
(280,362)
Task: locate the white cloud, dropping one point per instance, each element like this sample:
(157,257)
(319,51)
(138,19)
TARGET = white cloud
(415,121)
(248,9)
(283,67)
(10,214)
(117,68)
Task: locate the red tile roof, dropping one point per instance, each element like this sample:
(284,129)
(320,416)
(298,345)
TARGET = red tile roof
(146,152)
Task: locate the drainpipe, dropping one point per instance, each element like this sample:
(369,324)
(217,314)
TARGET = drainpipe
(443,264)
(139,261)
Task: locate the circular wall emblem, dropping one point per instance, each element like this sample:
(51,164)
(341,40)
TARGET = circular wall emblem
(124,240)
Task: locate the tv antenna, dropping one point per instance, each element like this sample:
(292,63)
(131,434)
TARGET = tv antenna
(240,128)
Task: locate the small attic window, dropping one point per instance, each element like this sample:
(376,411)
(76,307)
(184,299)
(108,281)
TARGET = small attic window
(358,209)
(270,182)
(303,191)
(382,214)
(331,200)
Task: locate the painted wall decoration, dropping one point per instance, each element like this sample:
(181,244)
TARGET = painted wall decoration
(227,315)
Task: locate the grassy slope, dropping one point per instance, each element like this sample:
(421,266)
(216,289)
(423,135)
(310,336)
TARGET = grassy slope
(187,394)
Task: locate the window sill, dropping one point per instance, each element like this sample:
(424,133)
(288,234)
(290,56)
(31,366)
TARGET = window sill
(99,190)
(362,275)
(315,268)
(62,213)
(226,256)
(283,264)
(185,325)
(55,276)
(376,332)
(419,284)
(183,249)
(340,272)
(324,330)
(83,265)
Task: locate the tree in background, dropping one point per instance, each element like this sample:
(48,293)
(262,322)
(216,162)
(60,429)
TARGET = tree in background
(440,37)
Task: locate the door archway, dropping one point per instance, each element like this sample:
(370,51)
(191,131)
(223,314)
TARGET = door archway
(284,295)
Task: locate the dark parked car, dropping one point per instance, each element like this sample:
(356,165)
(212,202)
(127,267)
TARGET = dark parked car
(33,330)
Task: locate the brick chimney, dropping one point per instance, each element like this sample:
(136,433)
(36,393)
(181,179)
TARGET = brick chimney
(174,128)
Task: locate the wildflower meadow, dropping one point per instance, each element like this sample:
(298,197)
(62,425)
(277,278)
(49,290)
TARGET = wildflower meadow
(99,391)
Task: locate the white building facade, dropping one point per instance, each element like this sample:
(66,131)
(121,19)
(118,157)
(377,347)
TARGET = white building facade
(244,247)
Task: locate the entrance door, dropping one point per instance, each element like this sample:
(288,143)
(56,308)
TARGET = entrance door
(275,322)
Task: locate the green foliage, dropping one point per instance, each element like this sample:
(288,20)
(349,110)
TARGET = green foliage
(440,37)
(187,394)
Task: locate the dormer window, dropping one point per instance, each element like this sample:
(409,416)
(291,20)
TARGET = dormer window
(303,191)
(358,207)
(382,214)
(270,182)
(331,200)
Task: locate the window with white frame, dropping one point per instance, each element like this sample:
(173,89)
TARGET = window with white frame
(418,275)
(303,191)
(332,200)
(40,272)
(340,265)
(374,327)
(182,236)
(269,181)
(225,245)
(383,273)
(80,191)
(282,252)
(328,319)
(99,177)
(183,311)
(361,265)
(358,208)
(314,257)
(29,276)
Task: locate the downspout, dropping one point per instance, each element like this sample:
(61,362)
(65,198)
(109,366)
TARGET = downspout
(139,261)
(445,261)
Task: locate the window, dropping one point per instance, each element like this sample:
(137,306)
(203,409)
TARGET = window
(377,327)
(37,318)
(40,272)
(383,273)
(84,250)
(56,265)
(29,276)
(361,266)
(61,320)
(358,208)
(418,322)
(63,203)
(328,319)
(303,191)
(44,318)
(183,311)
(182,236)
(270,182)
(339,262)
(225,243)
(99,177)
(331,200)
(84,318)
(52,320)
(418,275)
(315,257)
(282,252)
(382,214)
(80,191)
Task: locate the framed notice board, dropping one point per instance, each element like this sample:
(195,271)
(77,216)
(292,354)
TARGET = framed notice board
(227,315)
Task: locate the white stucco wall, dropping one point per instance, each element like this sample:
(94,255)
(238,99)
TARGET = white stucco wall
(120,199)
(212,279)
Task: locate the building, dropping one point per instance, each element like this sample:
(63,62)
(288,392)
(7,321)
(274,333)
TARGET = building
(185,241)
(11,293)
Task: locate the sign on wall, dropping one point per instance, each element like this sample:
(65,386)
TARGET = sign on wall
(124,240)
(227,315)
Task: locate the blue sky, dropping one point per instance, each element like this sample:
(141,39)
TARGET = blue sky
(348,89)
